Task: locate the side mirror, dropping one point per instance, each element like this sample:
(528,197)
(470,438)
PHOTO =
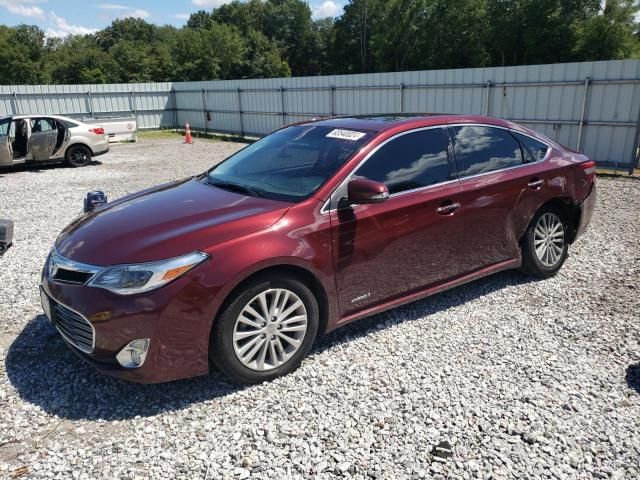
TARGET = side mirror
(364,191)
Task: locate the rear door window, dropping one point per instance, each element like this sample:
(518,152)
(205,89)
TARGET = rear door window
(42,125)
(414,160)
(534,149)
(481,149)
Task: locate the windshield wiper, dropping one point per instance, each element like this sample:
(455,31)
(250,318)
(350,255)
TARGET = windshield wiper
(234,187)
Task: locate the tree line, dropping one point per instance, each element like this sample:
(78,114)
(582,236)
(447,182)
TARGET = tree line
(274,38)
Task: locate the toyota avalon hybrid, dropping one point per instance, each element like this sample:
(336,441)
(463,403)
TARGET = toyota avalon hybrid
(310,228)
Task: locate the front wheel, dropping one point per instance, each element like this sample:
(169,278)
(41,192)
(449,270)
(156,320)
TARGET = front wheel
(78,156)
(545,246)
(266,330)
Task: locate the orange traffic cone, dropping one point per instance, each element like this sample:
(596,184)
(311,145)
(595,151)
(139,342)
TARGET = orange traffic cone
(187,137)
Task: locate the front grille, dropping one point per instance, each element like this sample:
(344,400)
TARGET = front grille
(74,327)
(72,276)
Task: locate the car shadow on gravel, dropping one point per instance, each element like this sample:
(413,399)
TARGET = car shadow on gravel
(422,308)
(46,373)
(41,167)
(633,377)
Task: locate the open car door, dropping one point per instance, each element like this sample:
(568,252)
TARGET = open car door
(62,138)
(44,134)
(6,153)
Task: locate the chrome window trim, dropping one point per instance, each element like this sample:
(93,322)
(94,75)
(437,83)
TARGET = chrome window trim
(93,330)
(325,211)
(426,187)
(462,179)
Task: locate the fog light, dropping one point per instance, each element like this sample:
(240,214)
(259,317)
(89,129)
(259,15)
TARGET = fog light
(134,354)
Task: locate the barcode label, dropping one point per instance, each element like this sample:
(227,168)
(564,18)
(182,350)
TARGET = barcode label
(345,134)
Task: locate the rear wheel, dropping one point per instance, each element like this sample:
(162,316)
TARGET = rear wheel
(545,246)
(78,156)
(266,330)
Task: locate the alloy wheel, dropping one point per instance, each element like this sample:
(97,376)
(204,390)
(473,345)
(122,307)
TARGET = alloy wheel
(79,156)
(270,329)
(548,239)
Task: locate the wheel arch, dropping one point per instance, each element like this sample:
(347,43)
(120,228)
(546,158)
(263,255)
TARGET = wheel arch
(568,209)
(74,143)
(298,272)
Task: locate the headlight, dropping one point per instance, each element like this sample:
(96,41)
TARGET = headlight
(142,277)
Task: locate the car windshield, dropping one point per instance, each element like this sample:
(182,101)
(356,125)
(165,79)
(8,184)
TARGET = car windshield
(289,164)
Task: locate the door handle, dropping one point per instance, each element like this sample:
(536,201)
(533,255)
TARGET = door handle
(535,183)
(448,208)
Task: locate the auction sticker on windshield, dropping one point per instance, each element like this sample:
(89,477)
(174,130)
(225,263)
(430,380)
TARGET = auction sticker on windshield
(345,134)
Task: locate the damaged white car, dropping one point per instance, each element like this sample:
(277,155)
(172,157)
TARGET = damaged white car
(49,138)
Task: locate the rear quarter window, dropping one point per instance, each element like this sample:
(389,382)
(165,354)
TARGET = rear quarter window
(535,149)
(68,123)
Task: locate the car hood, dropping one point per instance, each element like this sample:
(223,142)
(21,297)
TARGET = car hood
(165,222)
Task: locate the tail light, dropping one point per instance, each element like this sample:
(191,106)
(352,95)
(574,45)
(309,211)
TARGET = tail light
(589,169)
(97,130)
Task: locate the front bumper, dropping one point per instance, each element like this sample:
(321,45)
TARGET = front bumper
(176,318)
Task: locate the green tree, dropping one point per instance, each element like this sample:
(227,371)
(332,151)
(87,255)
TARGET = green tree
(351,49)
(455,34)
(324,33)
(262,58)
(537,31)
(609,35)
(131,29)
(22,55)
(208,54)
(79,60)
(270,38)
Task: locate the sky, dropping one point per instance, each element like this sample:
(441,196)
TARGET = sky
(59,18)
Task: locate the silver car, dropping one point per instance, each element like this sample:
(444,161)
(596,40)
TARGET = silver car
(49,138)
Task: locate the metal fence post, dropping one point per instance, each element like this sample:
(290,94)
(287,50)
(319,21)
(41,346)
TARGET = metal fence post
(583,112)
(333,100)
(240,112)
(401,86)
(282,105)
(133,108)
(636,148)
(487,98)
(204,110)
(90,102)
(175,108)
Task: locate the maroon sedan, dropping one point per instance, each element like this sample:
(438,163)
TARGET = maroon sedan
(305,230)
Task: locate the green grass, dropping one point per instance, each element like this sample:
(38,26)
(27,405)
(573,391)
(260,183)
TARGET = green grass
(172,134)
(156,134)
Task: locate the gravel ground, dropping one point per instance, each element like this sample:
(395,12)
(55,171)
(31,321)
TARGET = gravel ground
(520,378)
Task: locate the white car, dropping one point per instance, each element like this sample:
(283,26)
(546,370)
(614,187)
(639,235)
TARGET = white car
(49,138)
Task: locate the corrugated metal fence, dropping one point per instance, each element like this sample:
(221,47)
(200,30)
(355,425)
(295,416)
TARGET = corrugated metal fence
(591,106)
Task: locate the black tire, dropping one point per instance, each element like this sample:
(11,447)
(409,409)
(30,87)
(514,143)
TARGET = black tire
(78,156)
(532,264)
(221,344)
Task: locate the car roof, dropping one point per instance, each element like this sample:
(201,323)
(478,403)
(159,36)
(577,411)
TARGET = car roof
(387,121)
(39,115)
